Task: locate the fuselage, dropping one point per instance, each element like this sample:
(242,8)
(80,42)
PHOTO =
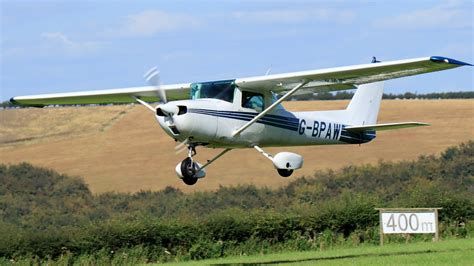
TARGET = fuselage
(212,122)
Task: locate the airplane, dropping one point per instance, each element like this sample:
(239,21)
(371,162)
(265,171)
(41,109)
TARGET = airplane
(247,112)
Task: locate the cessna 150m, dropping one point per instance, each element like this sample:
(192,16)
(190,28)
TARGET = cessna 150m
(247,112)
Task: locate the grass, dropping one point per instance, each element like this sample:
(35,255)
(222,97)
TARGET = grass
(449,252)
(27,126)
(135,154)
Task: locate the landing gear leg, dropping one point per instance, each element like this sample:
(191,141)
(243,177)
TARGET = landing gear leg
(189,167)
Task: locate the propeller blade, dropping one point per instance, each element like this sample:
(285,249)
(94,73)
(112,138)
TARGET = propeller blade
(169,108)
(181,146)
(152,77)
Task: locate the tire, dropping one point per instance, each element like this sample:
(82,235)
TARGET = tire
(285,172)
(188,171)
(187,168)
(190,180)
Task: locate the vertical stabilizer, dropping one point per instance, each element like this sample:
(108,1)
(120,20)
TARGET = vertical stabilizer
(365,104)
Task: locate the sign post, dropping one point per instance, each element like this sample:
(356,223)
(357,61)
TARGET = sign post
(408,221)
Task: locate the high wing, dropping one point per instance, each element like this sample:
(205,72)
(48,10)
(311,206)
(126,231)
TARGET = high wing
(330,79)
(343,78)
(124,95)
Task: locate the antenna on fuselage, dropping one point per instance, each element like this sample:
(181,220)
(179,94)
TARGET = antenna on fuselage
(374,60)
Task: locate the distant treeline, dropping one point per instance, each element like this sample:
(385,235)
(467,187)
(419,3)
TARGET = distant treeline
(46,216)
(346,95)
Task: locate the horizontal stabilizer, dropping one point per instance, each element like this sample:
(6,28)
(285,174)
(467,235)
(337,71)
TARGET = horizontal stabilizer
(387,126)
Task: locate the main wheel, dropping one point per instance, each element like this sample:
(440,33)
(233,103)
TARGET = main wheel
(285,172)
(188,170)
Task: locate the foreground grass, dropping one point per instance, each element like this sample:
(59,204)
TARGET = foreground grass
(452,252)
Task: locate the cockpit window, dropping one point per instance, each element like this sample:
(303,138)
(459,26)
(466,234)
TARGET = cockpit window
(222,90)
(252,100)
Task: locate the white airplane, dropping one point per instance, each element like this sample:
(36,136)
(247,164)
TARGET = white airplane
(247,112)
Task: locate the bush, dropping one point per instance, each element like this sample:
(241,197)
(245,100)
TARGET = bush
(48,216)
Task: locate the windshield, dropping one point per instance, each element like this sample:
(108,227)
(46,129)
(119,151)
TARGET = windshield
(222,90)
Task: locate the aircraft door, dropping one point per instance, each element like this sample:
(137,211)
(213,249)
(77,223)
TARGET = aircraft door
(246,105)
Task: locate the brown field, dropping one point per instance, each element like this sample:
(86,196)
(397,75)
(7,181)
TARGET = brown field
(122,148)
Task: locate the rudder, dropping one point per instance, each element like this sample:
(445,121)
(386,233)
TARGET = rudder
(365,104)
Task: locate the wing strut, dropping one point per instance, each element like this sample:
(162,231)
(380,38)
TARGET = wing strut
(213,159)
(256,118)
(145,104)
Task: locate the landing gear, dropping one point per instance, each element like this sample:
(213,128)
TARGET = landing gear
(285,172)
(189,167)
(190,180)
(284,162)
(188,170)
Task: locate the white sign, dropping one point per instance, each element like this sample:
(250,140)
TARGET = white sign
(408,222)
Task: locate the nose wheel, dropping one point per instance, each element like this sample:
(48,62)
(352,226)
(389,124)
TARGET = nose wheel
(188,170)
(189,167)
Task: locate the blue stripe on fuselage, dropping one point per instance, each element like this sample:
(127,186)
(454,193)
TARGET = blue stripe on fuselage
(284,122)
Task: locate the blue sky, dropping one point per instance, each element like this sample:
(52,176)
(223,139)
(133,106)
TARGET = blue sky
(59,46)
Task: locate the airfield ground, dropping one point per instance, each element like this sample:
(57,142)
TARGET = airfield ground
(450,252)
(122,148)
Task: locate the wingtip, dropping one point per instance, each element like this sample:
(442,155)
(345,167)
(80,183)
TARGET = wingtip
(442,59)
(13,101)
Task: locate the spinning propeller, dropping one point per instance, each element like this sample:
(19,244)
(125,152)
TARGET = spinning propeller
(164,108)
(152,77)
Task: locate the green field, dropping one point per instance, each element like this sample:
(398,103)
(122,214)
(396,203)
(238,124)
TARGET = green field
(449,252)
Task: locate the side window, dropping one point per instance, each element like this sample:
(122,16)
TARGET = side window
(196,91)
(252,100)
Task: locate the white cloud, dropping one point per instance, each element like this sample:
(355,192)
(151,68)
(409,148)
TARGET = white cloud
(451,14)
(58,40)
(296,15)
(151,22)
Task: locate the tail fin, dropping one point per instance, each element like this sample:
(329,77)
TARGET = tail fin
(365,104)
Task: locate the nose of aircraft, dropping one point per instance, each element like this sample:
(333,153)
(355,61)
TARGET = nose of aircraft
(169,117)
(167,109)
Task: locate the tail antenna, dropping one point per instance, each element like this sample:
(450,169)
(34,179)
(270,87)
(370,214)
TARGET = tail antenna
(374,60)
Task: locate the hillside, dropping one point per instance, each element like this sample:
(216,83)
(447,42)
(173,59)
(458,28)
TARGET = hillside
(121,148)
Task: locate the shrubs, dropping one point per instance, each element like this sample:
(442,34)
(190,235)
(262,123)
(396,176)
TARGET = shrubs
(50,216)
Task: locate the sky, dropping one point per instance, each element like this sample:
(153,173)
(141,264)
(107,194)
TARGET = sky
(61,46)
